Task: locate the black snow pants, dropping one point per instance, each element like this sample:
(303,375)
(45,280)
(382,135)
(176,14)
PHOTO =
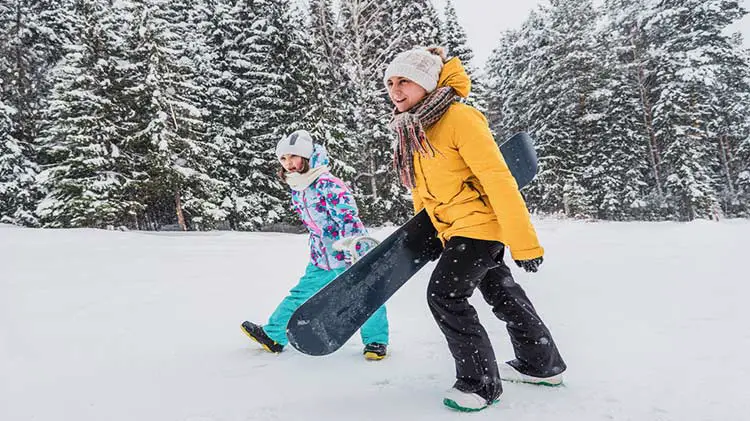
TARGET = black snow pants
(465,265)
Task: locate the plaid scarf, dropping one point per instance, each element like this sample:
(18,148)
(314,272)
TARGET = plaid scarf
(410,131)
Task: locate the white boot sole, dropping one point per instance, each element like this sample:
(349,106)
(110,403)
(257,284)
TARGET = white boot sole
(510,374)
(463,401)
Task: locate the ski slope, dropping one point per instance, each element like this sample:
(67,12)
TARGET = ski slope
(651,319)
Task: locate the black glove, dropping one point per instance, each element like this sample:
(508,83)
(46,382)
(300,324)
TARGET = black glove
(531,265)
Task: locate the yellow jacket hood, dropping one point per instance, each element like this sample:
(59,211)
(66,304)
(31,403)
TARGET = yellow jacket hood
(455,76)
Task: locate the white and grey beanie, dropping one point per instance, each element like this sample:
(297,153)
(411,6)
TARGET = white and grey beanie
(418,65)
(299,143)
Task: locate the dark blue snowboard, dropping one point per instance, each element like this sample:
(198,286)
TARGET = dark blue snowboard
(329,318)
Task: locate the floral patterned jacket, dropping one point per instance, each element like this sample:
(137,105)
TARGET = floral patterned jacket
(328,210)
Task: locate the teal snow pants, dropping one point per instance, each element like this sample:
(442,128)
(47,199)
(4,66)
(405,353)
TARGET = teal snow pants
(375,328)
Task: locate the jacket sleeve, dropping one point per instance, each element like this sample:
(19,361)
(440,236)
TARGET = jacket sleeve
(478,149)
(342,209)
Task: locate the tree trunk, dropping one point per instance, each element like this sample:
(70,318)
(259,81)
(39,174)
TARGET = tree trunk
(724,155)
(648,118)
(373,180)
(178,208)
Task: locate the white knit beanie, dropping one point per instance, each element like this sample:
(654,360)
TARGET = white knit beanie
(299,143)
(418,65)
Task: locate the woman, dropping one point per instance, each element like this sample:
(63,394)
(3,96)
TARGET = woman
(447,156)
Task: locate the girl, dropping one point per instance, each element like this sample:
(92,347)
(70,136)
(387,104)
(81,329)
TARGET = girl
(447,156)
(327,209)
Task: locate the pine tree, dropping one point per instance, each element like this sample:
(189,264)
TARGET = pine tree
(513,72)
(274,97)
(636,84)
(731,127)
(550,90)
(503,83)
(214,51)
(331,112)
(302,77)
(17,172)
(690,38)
(225,96)
(741,161)
(31,39)
(618,173)
(167,130)
(640,120)
(413,23)
(368,25)
(32,34)
(455,41)
(81,141)
(454,36)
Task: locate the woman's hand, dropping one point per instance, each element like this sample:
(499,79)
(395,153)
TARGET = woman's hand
(531,265)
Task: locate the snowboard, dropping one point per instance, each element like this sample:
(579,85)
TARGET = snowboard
(329,318)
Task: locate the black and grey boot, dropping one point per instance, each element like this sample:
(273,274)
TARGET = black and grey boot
(256,333)
(375,351)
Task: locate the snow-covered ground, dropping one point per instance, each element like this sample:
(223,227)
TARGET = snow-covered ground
(651,318)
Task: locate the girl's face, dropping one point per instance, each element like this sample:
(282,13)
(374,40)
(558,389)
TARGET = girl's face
(292,163)
(404,93)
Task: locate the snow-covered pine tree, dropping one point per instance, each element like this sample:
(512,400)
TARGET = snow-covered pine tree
(325,32)
(454,35)
(618,173)
(31,36)
(368,27)
(302,78)
(166,124)
(517,74)
(502,81)
(212,49)
(738,139)
(17,185)
(689,36)
(513,71)
(18,188)
(576,120)
(265,54)
(561,112)
(413,23)
(80,142)
(225,83)
(632,41)
(454,39)
(731,126)
(741,163)
(331,113)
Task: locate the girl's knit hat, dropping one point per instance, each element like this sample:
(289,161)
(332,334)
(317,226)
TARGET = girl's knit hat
(420,65)
(299,143)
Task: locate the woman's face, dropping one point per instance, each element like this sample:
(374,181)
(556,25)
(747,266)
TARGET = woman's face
(292,163)
(404,93)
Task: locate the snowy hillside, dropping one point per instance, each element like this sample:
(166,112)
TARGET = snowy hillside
(95,325)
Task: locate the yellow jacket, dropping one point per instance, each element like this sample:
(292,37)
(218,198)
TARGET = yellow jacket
(466,187)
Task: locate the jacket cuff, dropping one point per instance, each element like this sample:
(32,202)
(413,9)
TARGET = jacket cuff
(527,254)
